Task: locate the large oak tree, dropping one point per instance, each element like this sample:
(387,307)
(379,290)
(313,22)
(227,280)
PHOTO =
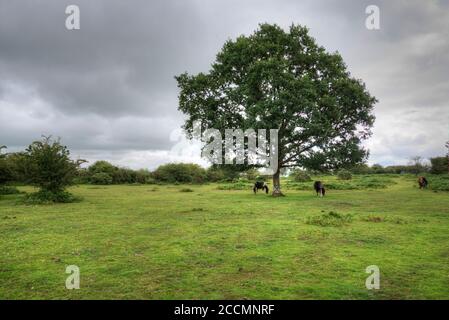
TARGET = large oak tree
(275,79)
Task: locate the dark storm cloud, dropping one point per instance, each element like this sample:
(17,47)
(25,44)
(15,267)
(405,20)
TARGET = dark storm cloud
(121,62)
(108,89)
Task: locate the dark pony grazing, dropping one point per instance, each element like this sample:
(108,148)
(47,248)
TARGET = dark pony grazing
(319,188)
(260,185)
(422,182)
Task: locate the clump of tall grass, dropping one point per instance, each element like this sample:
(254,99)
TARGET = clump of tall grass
(240,185)
(439,182)
(330,219)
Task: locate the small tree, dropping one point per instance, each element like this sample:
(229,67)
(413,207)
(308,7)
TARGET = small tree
(47,165)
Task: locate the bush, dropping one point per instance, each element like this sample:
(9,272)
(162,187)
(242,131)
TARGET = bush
(344,175)
(180,172)
(5,190)
(250,174)
(361,169)
(300,176)
(49,197)
(101,178)
(123,176)
(102,167)
(439,165)
(82,177)
(47,165)
(118,175)
(224,173)
(439,183)
(144,177)
(6,172)
(186,190)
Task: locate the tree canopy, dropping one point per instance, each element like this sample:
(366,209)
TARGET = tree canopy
(275,79)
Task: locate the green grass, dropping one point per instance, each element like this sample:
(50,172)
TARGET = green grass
(147,242)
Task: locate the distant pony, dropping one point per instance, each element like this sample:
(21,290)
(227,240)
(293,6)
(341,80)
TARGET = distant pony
(422,182)
(319,188)
(260,185)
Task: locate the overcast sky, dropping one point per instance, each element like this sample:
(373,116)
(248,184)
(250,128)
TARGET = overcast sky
(108,89)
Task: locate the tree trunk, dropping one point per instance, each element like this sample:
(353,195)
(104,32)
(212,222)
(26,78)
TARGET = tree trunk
(277,184)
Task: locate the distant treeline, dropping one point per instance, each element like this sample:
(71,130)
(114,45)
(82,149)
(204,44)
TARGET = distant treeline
(438,165)
(13,171)
(105,173)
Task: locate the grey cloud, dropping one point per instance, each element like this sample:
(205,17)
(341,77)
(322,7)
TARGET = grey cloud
(108,89)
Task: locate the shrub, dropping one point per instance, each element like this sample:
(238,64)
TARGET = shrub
(300,176)
(102,167)
(250,174)
(123,176)
(439,183)
(144,177)
(186,190)
(47,165)
(439,165)
(5,190)
(6,170)
(214,175)
(82,176)
(101,178)
(119,175)
(344,175)
(361,169)
(180,172)
(49,197)
(14,164)
(224,173)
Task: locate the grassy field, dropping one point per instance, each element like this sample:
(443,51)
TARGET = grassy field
(161,242)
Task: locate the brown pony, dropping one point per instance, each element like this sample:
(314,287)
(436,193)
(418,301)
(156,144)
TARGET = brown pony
(422,182)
